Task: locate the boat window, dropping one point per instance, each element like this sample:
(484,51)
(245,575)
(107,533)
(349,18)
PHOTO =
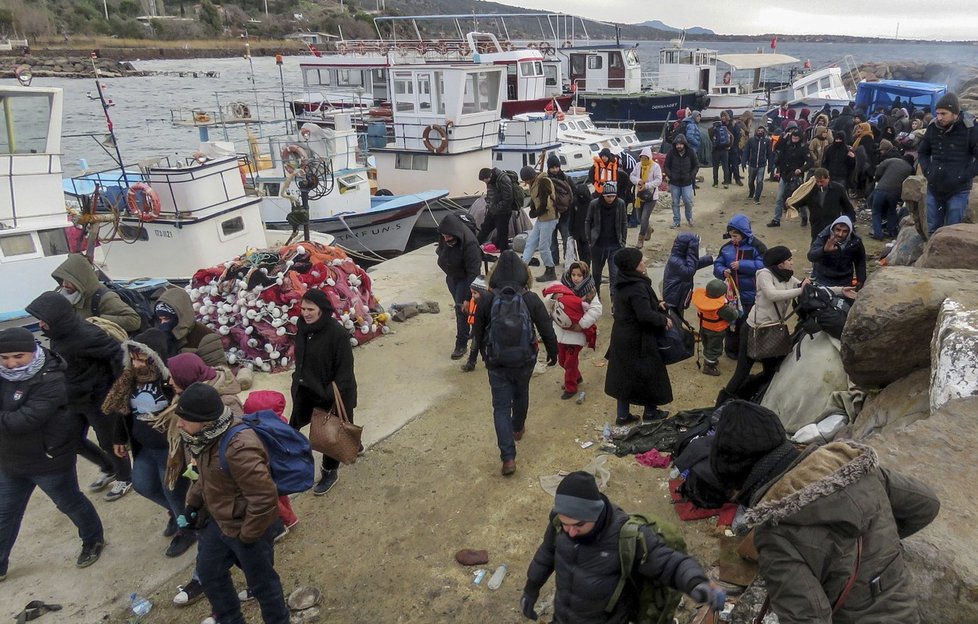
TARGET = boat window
(631,57)
(133,232)
(587,124)
(481,92)
(594,62)
(572,125)
(563,127)
(272,188)
(17,245)
(550,71)
(577,64)
(595,147)
(825,83)
(349,78)
(404,93)
(350,182)
(54,242)
(563,160)
(315,77)
(615,141)
(24,124)
(425,97)
(686,57)
(232,226)
(527,69)
(412,162)
(812,89)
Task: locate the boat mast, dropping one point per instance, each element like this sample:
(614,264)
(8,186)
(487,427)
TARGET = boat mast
(108,119)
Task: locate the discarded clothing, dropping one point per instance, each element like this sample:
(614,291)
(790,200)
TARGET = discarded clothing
(653,459)
(688,511)
(660,434)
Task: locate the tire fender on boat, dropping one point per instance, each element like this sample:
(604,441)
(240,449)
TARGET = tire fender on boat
(147,208)
(442,138)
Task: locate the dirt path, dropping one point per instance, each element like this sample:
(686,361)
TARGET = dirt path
(380,545)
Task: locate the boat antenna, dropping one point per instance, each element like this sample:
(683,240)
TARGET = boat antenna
(617,34)
(108,119)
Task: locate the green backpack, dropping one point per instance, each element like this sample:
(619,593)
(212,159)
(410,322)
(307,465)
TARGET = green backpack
(656,603)
(519,193)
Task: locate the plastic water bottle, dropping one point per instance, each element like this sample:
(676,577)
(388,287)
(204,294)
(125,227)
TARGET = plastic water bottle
(139,606)
(497,577)
(606,434)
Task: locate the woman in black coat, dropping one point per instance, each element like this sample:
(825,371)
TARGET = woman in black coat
(323,355)
(636,374)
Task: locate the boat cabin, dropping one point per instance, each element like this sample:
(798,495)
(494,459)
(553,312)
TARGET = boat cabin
(604,69)
(685,69)
(824,84)
(527,140)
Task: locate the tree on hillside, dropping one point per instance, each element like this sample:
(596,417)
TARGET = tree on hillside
(210,18)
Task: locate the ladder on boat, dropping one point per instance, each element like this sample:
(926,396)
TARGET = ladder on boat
(850,72)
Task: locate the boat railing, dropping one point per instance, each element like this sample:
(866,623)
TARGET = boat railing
(448,49)
(439,139)
(17,177)
(599,85)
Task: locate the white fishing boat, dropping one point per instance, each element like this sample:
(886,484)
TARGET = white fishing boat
(33,219)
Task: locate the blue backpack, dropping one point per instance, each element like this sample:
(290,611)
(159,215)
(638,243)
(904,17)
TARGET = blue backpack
(721,136)
(511,343)
(289,453)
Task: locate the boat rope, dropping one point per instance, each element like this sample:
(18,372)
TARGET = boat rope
(369,251)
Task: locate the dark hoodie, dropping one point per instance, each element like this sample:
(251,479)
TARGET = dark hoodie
(844,123)
(683,263)
(499,193)
(837,160)
(750,254)
(839,266)
(510,271)
(138,396)
(188,335)
(93,359)
(323,355)
(681,168)
(461,257)
(79,271)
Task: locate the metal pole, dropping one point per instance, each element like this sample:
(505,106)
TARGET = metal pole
(285,106)
(108,120)
(105,7)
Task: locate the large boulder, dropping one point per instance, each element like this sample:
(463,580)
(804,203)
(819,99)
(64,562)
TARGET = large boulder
(954,354)
(890,325)
(942,558)
(901,403)
(907,248)
(951,247)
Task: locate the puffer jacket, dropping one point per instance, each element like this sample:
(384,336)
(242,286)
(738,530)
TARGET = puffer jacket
(78,270)
(691,130)
(838,267)
(807,522)
(588,570)
(244,503)
(949,157)
(191,336)
(92,357)
(462,258)
(792,156)
(37,436)
(750,254)
(683,263)
(499,193)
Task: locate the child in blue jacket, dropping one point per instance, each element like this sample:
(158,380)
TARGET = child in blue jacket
(738,260)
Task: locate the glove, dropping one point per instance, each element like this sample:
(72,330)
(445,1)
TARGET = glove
(526,606)
(707,594)
(188,519)
(552,360)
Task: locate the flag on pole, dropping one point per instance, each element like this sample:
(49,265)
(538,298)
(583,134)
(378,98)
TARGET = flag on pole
(774,43)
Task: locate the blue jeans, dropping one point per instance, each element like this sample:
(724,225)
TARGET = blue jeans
(884,205)
(216,553)
(62,489)
(460,288)
(755,182)
(686,194)
(149,479)
(781,198)
(540,238)
(599,256)
(946,211)
(510,400)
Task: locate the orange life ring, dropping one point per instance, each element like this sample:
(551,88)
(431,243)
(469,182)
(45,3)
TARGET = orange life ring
(146,209)
(442,136)
(727,78)
(293,158)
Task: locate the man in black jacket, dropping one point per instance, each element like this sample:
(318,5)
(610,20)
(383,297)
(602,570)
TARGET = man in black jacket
(38,444)
(826,202)
(460,257)
(606,227)
(499,206)
(323,356)
(838,255)
(949,157)
(94,361)
(503,329)
(581,546)
(793,161)
(679,171)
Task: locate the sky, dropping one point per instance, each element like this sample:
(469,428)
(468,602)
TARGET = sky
(932,19)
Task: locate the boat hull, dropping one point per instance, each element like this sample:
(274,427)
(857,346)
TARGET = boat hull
(431,217)
(644,109)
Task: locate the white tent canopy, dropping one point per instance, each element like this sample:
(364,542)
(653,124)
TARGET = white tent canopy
(755,61)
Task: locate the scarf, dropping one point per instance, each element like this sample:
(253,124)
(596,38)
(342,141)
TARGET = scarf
(196,442)
(768,467)
(23,373)
(782,275)
(585,290)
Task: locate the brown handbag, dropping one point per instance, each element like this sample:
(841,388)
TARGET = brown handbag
(770,340)
(332,434)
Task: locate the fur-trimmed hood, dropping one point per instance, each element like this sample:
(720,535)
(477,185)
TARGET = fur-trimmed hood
(810,491)
(142,344)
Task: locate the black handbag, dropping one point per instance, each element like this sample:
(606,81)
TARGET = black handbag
(770,340)
(647,196)
(676,344)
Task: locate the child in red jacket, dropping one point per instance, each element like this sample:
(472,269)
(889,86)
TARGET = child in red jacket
(575,311)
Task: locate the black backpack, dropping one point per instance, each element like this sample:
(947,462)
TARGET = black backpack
(469,221)
(519,193)
(820,309)
(701,486)
(511,340)
(132,298)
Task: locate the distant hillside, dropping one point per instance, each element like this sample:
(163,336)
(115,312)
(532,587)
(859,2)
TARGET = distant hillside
(695,30)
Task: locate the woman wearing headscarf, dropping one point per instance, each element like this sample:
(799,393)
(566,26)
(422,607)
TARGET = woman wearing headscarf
(323,355)
(636,374)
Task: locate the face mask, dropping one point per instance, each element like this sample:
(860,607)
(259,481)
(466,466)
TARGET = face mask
(73,297)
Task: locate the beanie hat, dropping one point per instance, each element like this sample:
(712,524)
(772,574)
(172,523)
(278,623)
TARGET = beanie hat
(610,188)
(949,103)
(885,146)
(17,340)
(716,288)
(553,161)
(606,152)
(627,259)
(776,255)
(200,403)
(527,173)
(578,497)
(745,434)
(485,173)
(479,284)
(165,309)
(259,400)
(320,299)
(188,368)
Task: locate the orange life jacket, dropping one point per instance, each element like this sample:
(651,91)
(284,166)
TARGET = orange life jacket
(472,304)
(604,172)
(707,309)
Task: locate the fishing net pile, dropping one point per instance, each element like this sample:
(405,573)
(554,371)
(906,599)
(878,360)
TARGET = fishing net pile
(253,301)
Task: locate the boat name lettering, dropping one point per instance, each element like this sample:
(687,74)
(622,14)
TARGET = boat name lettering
(162,233)
(363,232)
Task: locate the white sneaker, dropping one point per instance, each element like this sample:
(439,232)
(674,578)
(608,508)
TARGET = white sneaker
(208,620)
(119,489)
(244,596)
(101,481)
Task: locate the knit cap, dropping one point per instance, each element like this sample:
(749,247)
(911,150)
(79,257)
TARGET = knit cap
(745,434)
(776,255)
(200,403)
(949,102)
(553,161)
(578,497)
(17,340)
(527,173)
(610,188)
(716,288)
(479,284)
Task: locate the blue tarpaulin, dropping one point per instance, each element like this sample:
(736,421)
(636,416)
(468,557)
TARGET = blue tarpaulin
(898,94)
